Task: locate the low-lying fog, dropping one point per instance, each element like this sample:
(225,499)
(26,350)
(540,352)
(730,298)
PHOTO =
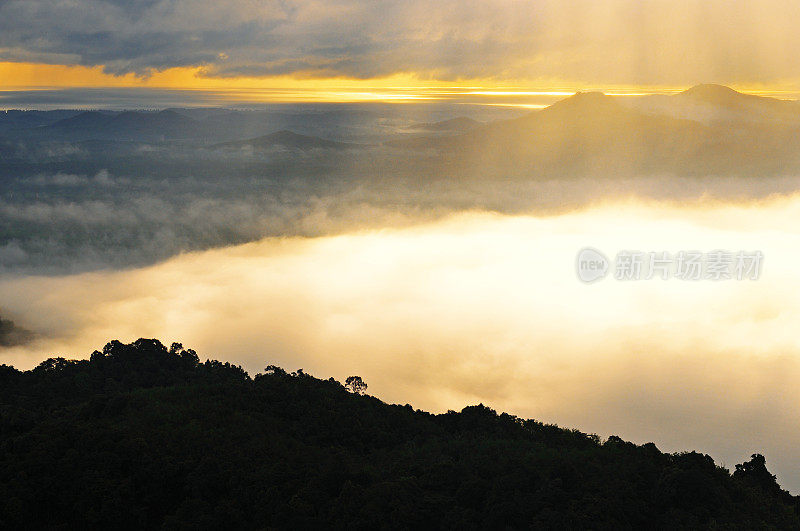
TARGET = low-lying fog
(70,223)
(461,307)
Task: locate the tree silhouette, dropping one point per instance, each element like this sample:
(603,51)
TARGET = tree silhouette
(142,436)
(274,370)
(355,385)
(755,472)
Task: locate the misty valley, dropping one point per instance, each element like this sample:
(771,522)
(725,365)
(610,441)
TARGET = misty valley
(87,190)
(430,248)
(378,265)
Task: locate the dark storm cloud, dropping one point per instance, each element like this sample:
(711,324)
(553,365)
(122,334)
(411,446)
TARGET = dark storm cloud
(262,38)
(136,36)
(635,41)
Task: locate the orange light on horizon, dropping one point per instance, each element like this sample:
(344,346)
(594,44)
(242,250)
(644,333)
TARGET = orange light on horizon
(400,87)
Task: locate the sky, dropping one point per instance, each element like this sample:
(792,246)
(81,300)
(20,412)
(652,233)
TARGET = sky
(328,45)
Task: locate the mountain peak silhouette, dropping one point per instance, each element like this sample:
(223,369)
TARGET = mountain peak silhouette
(716,94)
(585,98)
(583,104)
(710,88)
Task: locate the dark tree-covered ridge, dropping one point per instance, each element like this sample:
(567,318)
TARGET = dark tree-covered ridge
(144,436)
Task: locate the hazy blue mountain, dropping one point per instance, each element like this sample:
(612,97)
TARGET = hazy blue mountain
(345,123)
(128,125)
(459,124)
(84,121)
(284,140)
(11,121)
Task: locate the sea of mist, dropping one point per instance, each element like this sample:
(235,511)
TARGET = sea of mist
(468,305)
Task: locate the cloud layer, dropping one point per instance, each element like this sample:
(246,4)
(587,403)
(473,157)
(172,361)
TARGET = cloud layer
(619,41)
(485,308)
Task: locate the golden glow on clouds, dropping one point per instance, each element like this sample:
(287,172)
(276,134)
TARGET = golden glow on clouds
(489,44)
(278,89)
(30,75)
(486,308)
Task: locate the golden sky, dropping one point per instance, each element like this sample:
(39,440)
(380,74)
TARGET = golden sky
(397,88)
(384,45)
(20,76)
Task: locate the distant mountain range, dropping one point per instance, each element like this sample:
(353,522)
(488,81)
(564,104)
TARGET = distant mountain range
(717,103)
(284,140)
(594,134)
(705,130)
(221,125)
(129,125)
(200,125)
(453,125)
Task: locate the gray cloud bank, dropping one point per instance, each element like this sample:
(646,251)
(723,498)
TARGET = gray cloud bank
(623,41)
(12,335)
(67,223)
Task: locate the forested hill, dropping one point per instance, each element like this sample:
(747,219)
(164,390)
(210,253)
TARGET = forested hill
(141,436)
